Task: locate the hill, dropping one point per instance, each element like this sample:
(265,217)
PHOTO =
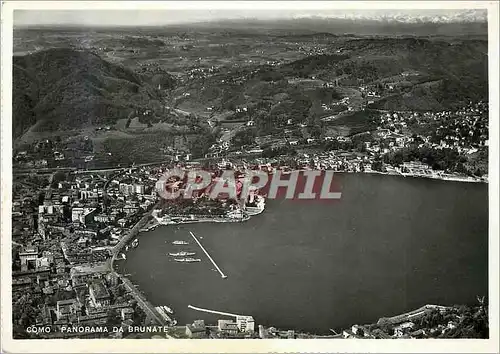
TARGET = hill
(427,74)
(61,88)
(424,74)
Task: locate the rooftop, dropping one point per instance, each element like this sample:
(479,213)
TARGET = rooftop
(29,250)
(227,325)
(99,289)
(195,329)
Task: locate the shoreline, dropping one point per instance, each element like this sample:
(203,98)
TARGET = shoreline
(155,222)
(149,225)
(449,178)
(159,221)
(391,319)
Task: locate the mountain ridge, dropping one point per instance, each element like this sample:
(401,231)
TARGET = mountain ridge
(63,88)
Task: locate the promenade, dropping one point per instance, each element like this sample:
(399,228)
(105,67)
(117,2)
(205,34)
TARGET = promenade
(146,306)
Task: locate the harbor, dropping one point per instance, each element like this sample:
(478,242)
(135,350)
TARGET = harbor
(277,247)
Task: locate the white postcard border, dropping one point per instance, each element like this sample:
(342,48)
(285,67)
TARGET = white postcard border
(244,346)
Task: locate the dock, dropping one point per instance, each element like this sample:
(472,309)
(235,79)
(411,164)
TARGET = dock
(163,313)
(209,257)
(213,311)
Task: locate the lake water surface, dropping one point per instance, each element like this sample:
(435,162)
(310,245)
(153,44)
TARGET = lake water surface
(391,244)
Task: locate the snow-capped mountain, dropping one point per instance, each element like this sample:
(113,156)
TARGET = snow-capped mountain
(406,16)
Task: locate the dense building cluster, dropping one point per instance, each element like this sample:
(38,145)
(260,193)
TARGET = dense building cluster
(65,228)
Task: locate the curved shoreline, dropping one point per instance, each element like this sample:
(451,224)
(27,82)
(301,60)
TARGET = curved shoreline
(135,232)
(450,178)
(131,234)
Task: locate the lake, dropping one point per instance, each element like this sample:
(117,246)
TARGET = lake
(390,245)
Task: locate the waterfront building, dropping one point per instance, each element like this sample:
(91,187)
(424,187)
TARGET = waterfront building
(197,329)
(245,323)
(228,327)
(403,329)
(112,279)
(262,332)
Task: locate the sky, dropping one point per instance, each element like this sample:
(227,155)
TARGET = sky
(180,16)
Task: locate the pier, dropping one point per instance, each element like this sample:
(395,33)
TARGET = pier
(213,311)
(211,259)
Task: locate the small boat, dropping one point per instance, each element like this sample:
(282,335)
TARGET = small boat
(182,254)
(123,256)
(168,310)
(135,243)
(180,259)
(177,242)
(192,260)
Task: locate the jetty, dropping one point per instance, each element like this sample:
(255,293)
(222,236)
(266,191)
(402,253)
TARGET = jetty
(213,311)
(209,257)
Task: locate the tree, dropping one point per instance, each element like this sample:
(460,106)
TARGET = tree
(460,168)
(244,137)
(113,318)
(378,166)
(199,146)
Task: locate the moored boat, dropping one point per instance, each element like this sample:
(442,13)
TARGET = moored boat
(168,310)
(177,242)
(187,260)
(182,254)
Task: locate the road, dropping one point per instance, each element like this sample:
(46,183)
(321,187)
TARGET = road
(146,306)
(133,232)
(21,172)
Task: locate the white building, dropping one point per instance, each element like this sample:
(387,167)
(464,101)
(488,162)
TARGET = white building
(82,215)
(245,323)
(139,188)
